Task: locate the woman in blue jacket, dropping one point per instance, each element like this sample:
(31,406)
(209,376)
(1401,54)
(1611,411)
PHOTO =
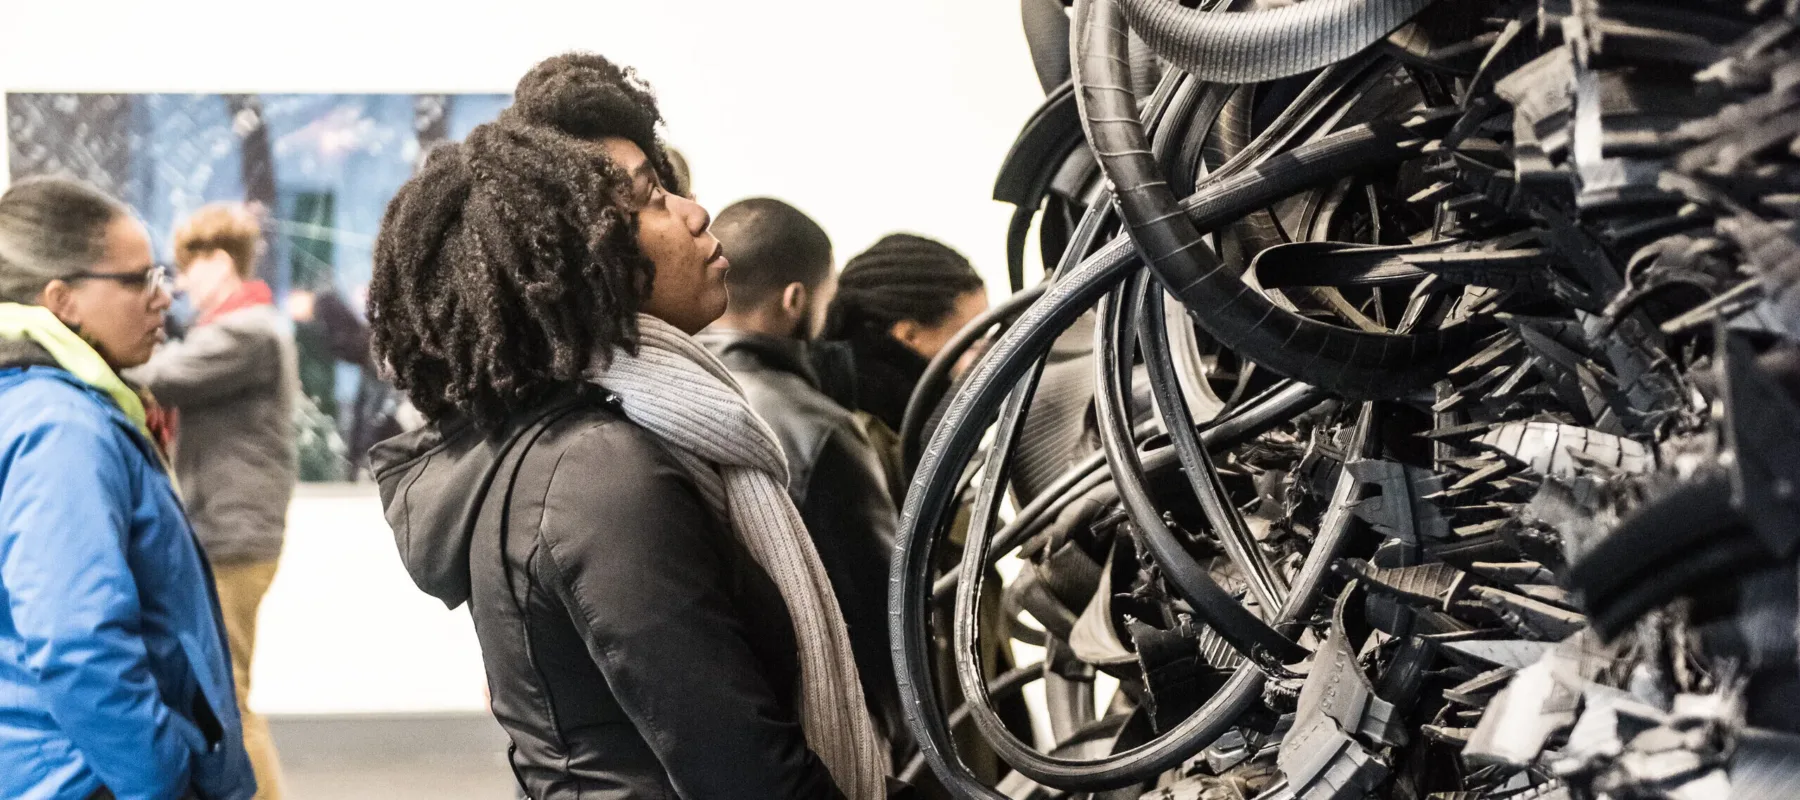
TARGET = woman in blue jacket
(114,678)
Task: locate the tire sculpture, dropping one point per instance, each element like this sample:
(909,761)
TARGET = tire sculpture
(1410,409)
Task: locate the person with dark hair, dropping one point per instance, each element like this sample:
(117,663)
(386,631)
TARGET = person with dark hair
(116,680)
(897,304)
(336,334)
(654,619)
(678,171)
(783,276)
(781,279)
(234,379)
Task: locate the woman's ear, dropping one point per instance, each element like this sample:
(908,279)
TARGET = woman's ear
(58,297)
(907,332)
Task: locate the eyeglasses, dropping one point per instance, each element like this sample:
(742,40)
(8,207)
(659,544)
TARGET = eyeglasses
(154,278)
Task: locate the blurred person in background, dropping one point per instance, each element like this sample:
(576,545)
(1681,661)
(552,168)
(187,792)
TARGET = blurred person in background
(897,304)
(781,279)
(681,179)
(653,618)
(233,381)
(328,316)
(114,676)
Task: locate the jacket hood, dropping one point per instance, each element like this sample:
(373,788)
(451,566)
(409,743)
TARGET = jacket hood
(15,353)
(434,482)
(73,354)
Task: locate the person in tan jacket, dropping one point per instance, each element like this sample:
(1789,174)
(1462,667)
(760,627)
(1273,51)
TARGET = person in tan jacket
(233,381)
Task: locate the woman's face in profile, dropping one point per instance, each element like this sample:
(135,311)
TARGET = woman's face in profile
(118,304)
(689,289)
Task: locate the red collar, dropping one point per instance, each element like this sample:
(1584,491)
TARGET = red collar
(251,293)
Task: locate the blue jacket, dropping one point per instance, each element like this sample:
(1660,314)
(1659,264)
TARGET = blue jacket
(113,663)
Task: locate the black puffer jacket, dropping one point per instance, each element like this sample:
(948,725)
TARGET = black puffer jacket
(633,647)
(836,480)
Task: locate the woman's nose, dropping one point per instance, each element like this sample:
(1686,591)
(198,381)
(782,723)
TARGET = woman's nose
(698,218)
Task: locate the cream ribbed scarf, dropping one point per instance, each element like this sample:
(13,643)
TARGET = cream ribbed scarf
(680,392)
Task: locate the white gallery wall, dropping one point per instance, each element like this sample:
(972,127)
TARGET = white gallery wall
(871,116)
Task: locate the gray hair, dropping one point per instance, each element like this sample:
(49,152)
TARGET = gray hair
(50,229)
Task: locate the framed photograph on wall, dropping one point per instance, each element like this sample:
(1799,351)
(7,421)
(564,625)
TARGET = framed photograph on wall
(319,168)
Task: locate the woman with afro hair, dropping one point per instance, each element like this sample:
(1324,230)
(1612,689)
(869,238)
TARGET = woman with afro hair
(652,615)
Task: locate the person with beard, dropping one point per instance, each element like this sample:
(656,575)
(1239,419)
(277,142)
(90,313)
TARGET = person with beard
(781,279)
(897,304)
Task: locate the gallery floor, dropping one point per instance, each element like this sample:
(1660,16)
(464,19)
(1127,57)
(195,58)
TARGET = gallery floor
(372,689)
(457,756)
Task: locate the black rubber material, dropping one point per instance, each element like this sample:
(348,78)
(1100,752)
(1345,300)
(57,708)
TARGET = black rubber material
(1192,734)
(1216,607)
(1679,522)
(929,502)
(1053,130)
(1001,687)
(1230,135)
(1323,99)
(1258,46)
(1727,558)
(1664,550)
(1018,231)
(929,391)
(1236,187)
(1047,36)
(1252,419)
(1051,135)
(1356,364)
(1227,523)
(1320,161)
(1334,530)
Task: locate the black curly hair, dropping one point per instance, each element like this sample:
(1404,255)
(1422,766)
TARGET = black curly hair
(510,260)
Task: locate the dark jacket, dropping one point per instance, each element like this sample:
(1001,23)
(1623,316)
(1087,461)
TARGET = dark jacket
(837,483)
(633,647)
(871,372)
(874,375)
(113,668)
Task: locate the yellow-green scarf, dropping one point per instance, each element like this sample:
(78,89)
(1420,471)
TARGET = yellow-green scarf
(72,353)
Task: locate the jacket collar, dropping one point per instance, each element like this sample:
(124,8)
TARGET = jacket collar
(73,354)
(250,294)
(15,353)
(886,374)
(21,371)
(770,352)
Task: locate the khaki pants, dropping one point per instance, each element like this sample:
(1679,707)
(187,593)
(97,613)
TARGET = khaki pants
(241,590)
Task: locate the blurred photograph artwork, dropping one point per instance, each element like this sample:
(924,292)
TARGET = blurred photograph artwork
(320,168)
